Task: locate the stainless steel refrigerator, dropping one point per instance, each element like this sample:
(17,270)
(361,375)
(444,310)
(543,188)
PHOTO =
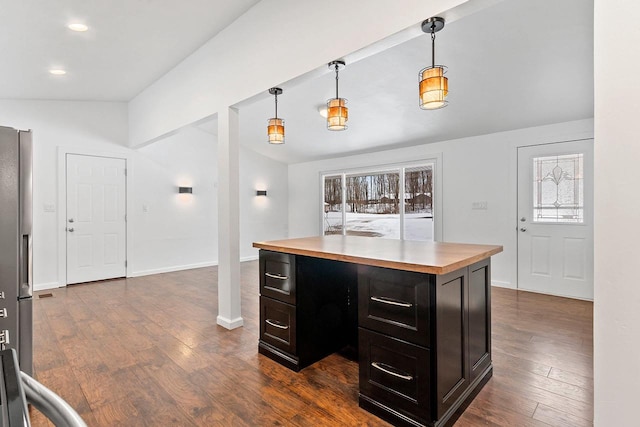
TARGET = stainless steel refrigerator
(16,265)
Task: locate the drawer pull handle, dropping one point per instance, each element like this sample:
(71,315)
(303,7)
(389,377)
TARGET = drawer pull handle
(276,324)
(271,288)
(391,302)
(387,370)
(276,276)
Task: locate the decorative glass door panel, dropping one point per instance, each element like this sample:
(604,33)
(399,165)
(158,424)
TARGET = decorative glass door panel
(558,189)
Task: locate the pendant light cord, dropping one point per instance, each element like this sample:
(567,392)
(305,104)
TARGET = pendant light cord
(276,95)
(337,82)
(433,45)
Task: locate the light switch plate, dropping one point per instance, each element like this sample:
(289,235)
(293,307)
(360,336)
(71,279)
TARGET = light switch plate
(49,207)
(479,206)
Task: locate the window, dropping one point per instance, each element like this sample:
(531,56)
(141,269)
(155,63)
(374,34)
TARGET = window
(373,205)
(558,193)
(418,206)
(333,205)
(394,204)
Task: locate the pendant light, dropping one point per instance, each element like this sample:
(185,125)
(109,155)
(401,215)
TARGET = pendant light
(434,86)
(275,127)
(337,111)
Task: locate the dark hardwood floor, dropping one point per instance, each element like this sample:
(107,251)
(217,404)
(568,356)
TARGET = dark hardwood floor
(147,352)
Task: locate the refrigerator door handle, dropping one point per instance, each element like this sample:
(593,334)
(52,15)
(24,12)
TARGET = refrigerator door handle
(26,267)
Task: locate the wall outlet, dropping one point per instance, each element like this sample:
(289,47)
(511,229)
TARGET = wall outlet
(145,208)
(49,207)
(479,206)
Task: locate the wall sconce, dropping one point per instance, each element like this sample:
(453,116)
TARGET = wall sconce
(337,111)
(275,126)
(434,86)
(261,193)
(185,190)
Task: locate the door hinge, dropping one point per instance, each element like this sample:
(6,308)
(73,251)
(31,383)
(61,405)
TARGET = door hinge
(125,262)
(125,171)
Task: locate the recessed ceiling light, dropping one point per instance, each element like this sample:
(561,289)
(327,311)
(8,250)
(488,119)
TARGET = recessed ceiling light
(77,27)
(57,72)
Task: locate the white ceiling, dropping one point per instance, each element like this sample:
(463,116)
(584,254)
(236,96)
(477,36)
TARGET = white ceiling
(517,64)
(130,44)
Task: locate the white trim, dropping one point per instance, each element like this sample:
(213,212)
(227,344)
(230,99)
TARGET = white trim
(173,268)
(229,323)
(61,220)
(554,294)
(45,286)
(499,284)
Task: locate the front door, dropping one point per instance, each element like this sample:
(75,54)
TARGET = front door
(96,221)
(555,219)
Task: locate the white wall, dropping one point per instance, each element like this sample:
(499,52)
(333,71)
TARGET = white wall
(181,231)
(617,177)
(88,125)
(175,231)
(480,168)
(262,218)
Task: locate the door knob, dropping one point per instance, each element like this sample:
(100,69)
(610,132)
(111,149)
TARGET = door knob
(523,219)
(70,230)
(70,219)
(523,229)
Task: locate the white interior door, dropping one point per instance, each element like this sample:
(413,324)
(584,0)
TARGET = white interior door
(555,219)
(96,218)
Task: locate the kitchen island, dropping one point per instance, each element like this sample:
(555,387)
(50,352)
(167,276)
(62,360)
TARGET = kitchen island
(417,314)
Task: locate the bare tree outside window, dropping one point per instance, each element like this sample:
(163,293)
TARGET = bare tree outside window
(332,205)
(418,187)
(418,203)
(372,205)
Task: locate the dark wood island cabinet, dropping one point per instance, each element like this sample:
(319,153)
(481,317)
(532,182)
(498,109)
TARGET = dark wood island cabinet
(417,314)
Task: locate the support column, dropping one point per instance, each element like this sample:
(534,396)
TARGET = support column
(229,314)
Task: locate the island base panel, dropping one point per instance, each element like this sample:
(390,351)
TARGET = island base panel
(273,353)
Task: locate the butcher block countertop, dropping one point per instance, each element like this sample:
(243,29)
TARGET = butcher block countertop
(408,255)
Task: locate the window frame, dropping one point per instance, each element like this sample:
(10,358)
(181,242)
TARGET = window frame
(434,160)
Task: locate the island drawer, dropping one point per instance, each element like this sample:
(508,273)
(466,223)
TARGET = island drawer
(395,374)
(278,324)
(277,276)
(395,303)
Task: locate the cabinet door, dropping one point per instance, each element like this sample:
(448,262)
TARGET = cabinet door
(278,324)
(395,373)
(277,276)
(395,302)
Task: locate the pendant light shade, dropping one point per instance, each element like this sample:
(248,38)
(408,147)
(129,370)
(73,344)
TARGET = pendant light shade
(434,86)
(337,111)
(275,126)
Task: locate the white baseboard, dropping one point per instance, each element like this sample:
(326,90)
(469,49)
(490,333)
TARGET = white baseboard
(228,323)
(45,286)
(184,267)
(499,284)
(173,268)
